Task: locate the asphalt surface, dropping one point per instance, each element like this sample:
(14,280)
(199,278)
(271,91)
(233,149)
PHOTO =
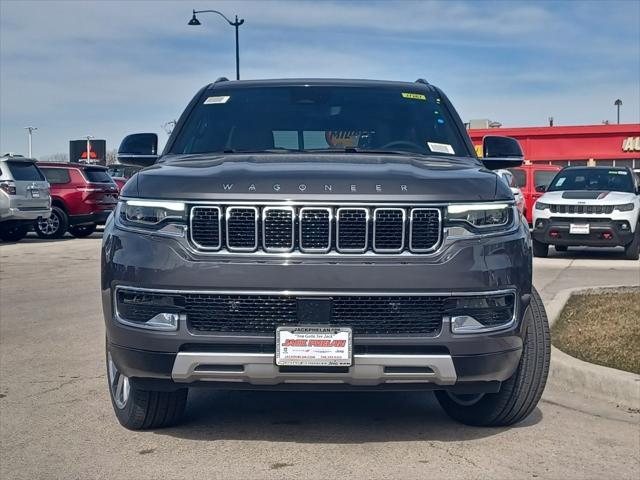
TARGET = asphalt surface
(56,419)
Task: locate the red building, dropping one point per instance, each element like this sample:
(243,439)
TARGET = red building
(617,145)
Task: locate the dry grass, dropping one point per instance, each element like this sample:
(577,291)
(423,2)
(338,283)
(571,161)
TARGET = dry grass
(602,328)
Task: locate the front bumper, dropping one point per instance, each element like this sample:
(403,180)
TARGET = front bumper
(602,232)
(233,360)
(100,218)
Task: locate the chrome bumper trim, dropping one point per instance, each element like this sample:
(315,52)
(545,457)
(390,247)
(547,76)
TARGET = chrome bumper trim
(260,369)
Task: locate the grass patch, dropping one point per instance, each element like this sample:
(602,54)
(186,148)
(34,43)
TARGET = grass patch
(602,328)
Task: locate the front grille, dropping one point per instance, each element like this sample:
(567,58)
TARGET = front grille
(367,315)
(278,229)
(316,229)
(353,229)
(582,209)
(242,228)
(388,229)
(206,227)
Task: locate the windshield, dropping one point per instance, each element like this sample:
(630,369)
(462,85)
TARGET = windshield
(593,179)
(320,119)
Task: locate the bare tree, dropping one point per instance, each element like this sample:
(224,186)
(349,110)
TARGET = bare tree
(55,157)
(111,156)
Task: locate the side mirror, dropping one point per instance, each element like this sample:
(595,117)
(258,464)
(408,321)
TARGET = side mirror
(541,188)
(501,152)
(139,149)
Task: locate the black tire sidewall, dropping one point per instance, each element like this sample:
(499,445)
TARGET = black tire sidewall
(14,233)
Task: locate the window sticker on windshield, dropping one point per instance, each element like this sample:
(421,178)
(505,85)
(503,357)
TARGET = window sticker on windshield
(216,100)
(414,96)
(560,181)
(617,172)
(441,148)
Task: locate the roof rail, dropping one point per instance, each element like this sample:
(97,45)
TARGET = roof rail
(421,80)
(221,79)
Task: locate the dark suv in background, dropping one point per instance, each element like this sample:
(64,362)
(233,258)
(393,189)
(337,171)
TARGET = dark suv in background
(82,197)
(321,235)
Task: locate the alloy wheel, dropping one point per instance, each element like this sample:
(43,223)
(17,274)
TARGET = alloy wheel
(49,226)
(118,384)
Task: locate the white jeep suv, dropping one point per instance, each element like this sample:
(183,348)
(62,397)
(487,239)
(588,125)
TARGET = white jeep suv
(589,206)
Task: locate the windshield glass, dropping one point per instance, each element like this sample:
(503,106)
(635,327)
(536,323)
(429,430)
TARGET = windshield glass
(593,179)
(97,176)
(25,171)
(320,118)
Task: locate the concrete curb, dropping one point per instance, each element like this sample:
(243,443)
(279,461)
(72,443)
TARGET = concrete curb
(591,380)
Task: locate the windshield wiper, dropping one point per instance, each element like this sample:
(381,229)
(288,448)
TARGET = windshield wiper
(374,151)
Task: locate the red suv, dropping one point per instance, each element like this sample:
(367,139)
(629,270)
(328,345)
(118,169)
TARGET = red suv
(82,197)
(533,179)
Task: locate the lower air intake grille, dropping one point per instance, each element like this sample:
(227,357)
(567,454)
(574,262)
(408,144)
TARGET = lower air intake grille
(262,314)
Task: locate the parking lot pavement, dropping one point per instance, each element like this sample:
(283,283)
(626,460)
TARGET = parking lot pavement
(56,419)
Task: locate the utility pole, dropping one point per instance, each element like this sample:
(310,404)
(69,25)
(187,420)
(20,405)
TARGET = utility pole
(30,131)
(89,137)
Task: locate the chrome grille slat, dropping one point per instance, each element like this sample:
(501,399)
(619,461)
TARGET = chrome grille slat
(315,229)
(242,229)
(352,230)
(424,229)
(389,229)
(359,228)
(206,227)
(278,229)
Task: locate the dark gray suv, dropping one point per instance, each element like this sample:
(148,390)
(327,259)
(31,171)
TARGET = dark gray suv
(321,235)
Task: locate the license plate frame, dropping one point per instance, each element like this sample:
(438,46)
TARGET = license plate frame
(293,348)
(579,229)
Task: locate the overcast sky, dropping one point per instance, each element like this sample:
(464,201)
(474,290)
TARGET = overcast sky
(108,68)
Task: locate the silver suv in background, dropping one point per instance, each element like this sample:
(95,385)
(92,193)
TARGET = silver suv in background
(24,196)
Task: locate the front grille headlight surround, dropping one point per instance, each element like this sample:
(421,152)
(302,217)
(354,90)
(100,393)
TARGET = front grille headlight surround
(482,218)
(154,216)
(625,207)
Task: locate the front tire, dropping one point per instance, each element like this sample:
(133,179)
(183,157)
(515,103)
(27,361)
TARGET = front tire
(632,250)
(82,231)
(540,250)
(520,394)
(138,409)
(53,227)
(13,233)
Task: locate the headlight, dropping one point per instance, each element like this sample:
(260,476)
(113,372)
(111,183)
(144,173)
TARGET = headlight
(154,215)
(541,206)
(482,216)
(625,207)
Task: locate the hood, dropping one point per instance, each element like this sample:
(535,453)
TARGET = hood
(587,197)
(312,177)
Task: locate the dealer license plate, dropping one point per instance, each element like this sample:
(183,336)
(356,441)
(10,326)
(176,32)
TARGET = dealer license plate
(579,229)
(307,346)
(35,193)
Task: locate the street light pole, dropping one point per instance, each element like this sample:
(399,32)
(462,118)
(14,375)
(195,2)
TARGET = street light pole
(618,103)
(89,137)
(30,131)
(194,21)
